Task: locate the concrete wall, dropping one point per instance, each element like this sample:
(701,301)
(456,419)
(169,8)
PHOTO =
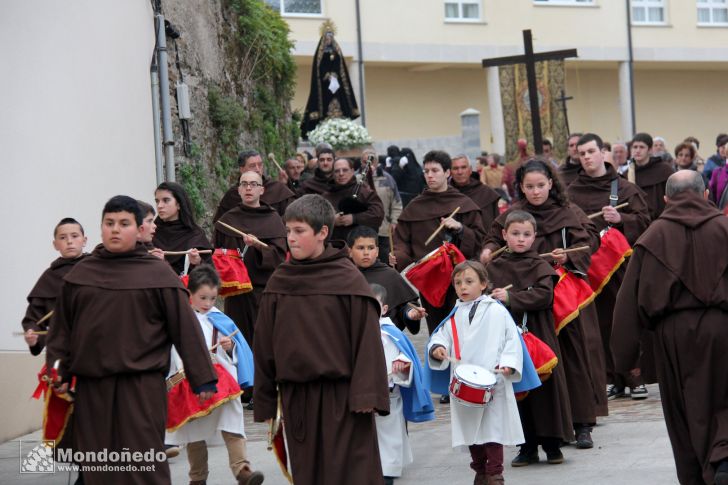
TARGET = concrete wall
(76,129)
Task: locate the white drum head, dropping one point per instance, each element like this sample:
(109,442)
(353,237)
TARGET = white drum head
(475,376)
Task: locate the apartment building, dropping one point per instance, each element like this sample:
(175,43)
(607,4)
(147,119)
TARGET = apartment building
(421,62)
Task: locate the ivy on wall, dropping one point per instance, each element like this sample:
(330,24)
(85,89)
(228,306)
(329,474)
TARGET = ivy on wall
(250,110)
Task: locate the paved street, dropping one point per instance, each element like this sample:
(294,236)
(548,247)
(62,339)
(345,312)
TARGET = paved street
(631,448)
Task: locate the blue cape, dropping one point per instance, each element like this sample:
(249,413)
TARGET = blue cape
(244,355)
(416,400)
(438,381)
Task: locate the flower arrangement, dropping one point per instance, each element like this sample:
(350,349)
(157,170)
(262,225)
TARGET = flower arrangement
(340,133)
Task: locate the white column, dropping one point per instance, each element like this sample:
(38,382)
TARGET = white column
(625,101)
(495,110)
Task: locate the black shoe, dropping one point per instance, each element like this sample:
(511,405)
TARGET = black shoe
(584,439)
(445,399)
(525,458)
(388,480)
(614,392)
(721,473)
(554,457)
(249,407)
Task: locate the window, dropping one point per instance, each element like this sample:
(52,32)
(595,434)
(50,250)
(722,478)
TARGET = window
(296,7)
(564,2)
(712,12)
(462,10)
(648,12)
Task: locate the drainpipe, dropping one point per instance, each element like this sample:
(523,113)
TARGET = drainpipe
(158,157)
(168,137)
(362,103)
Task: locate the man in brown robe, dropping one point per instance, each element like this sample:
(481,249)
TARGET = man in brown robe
(69,240)
(569,170)
(318,343)
(319,183)
(676,287)
(276,195)
(118,314)
(545,412)
(423,215)
(467,182)
(258,219)
(591,191)
(368,209)
(648,173)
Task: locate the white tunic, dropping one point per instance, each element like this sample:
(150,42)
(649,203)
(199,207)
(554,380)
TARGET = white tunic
(394,446)
(228,417)
(491,340)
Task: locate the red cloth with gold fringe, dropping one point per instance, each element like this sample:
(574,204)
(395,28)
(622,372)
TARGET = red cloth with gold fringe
(232,271)
(612,252)
(431,275)
(57,407)
(571,294)
(544,359)
(183,405)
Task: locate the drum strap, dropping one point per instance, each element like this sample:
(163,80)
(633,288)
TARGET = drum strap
(455,339)
(613,196)
(214,336)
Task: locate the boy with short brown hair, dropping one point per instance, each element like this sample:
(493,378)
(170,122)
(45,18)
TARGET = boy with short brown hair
(320,316)
(69,240)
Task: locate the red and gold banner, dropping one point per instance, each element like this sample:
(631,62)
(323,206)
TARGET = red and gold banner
(232,271)
(431,275)
(611,254)
(571,294)
(183,405)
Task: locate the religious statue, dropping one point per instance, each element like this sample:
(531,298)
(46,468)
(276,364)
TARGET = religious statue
(331,94)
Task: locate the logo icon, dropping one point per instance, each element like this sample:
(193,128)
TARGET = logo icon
(39,459)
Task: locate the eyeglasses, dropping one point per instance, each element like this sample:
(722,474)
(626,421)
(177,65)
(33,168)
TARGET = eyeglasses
(342,170)
(249,185)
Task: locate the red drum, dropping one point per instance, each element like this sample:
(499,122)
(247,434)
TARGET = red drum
(608,258)
(571,294)
(472,385)
(431,275)
(183,405)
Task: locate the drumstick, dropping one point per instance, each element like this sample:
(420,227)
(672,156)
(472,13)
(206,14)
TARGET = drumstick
(507,287)
(272,158)
(566,251)
(391,239)
(497,252)
(238,231)
(35,332)
(414,307)
(212,349)
(179,253)
(601,213)
(442,224)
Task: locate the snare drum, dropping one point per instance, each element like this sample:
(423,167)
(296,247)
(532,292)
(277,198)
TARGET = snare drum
(472,385)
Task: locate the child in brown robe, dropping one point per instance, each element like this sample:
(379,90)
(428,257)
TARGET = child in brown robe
(69,240)
(545,412)
(317,343)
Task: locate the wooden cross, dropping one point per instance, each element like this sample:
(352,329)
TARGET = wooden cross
(530,59)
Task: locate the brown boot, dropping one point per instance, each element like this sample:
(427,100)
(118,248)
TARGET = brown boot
(480,479)
(496,480)
(198,482)
(248,477)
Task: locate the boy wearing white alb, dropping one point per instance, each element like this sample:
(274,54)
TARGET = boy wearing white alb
(481,332)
